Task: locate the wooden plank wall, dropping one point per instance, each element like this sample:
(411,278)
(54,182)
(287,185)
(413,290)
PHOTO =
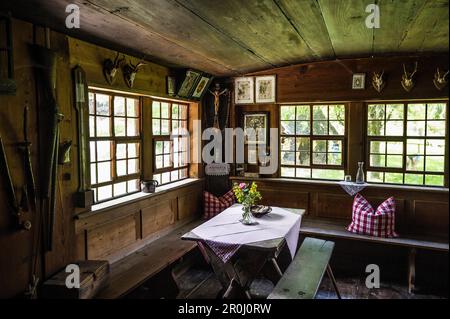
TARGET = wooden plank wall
(123,230)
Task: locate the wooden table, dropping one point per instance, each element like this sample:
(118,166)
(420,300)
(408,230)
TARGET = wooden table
(236,275)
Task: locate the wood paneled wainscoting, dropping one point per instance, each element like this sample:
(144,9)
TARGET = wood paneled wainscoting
(115,232)
(420,211)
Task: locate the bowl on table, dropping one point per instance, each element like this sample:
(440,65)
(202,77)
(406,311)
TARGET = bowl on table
(259,211)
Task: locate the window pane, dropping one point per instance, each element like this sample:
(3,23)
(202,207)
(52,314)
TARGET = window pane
(337,112)
(394,161)
(375,177)
(434,180)
(156,127)
(334,159)
(159,161)
(303,173)
(320,146)
(92,126)
(167,162)
(415,146)
(436,128)
(287,127)
(377,161)
(303,112)
(120,189)
(157,177)
(288,144)
(376,112)
(184,112)
(416,111)
(435,164)
(132,127)
(320,127)
(335,146)
(435,147)
(104,192)
(121,168)
(394,128)
(133,185)
(91,103)
(119,126)
(93,152)
(394,111)
(156,110)
(103,126)
(319,158)
(133,166)
(93,174)
(183,173)
(133,150)
(302,128)
(303,144)
(287,113)
(104,151)
(287,172)
(165,128)
(288,158)
(436,111)
(395,148)
(337,128)
(104,172)
(415,163)
(303,158)
(165,110)
(328,174)
(320,112)
(416,128)
(414,179)
(377,147)
(174,175)
(165,178)
(121,151)
(119,106)
(175,111)
(132,107)
(394,178)
(102,106)
(375,128)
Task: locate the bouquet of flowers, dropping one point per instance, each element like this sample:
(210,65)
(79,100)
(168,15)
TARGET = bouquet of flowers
(247,195)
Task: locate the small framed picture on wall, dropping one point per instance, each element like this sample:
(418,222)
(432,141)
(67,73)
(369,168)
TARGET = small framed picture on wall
(244,90)
(359,81)
(266,89)
(256,127)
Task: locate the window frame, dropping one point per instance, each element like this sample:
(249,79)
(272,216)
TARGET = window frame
(168,138)
(403,139)
(312,137)
(115,141)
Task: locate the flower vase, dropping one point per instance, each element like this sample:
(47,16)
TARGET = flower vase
(247,218)
(360,174)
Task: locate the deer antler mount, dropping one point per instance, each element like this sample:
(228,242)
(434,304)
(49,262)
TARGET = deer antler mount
(440,80)
(110,68)
(378,82)
(129,72)
(408,78)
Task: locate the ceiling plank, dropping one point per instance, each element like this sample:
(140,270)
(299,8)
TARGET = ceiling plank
(258,25)
(178,25)
(395,20)
(105,29)
(345,21)
(307,18)
(430,30)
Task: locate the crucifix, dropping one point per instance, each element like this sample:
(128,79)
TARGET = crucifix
(217,93)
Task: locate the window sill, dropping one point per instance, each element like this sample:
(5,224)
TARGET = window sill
(336,183)
(123,201)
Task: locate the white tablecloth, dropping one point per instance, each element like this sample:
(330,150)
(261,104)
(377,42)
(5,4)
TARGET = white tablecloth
(226,233)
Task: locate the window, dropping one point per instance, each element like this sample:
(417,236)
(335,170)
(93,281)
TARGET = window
(407,143)
(170,141)
(312,141)
(115,145)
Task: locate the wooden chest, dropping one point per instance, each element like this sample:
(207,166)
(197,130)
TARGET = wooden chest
(94,276)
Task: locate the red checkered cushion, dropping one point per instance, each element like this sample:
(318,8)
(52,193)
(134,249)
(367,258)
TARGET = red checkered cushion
(214,205)
(367,221)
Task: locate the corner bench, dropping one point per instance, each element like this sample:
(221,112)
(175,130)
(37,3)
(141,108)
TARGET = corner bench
(337,229)
(132,271)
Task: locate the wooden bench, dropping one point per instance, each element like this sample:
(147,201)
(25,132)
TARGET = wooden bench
(303,277)
(134,270)
(325,228)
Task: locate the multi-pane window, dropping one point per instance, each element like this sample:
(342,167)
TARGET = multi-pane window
(312,141)
(115,145)
(407,143)
(170,141)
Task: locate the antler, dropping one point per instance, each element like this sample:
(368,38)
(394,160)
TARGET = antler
(138,65)
(415,70)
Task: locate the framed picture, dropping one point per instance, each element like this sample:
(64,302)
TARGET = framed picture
(244,90)
(202,87)
(265,89)
(259,122)
(359,81)
(189,83)
(171,83)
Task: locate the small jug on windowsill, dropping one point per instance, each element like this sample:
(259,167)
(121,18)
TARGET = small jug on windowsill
(360,174)
(149,186)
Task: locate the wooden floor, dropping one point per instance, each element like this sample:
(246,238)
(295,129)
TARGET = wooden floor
(200,283)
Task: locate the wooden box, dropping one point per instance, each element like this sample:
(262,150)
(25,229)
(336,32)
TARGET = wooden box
(94,276)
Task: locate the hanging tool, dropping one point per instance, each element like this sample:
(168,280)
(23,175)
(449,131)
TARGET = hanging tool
(25,147)
(14,205)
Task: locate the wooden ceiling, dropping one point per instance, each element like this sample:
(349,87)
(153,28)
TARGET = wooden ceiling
(232,37)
